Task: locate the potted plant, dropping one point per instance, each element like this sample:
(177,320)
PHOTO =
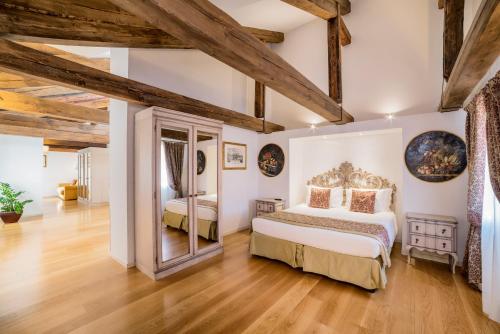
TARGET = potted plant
(11,208)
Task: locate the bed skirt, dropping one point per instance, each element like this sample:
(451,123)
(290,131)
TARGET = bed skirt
(206,228)
(365,272)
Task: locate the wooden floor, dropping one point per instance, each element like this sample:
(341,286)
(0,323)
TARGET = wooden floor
(56,277)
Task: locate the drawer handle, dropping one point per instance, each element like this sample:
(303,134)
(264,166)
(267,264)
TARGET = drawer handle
(443,231)
(416,228)
(416,240)
(444,244)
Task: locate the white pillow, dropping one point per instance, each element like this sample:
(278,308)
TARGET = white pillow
(382,198)
(336,196)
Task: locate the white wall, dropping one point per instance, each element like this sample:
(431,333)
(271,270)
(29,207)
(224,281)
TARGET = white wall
(199,76)
(394,64)
(377,152)
(21,167)
(121,155)
(61,168)
(446,198)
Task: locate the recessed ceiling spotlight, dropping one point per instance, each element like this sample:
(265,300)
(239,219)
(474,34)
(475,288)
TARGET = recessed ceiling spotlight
(389,116)
(312,126)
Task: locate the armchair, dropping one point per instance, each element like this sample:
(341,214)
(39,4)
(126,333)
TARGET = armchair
(68,191)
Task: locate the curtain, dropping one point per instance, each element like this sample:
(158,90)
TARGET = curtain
(490,249)
(174,158)
(483,138)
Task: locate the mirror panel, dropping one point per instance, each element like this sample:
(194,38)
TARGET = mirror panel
(207,155)
(174,193)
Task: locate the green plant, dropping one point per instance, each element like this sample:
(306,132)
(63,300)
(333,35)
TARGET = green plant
(9,199)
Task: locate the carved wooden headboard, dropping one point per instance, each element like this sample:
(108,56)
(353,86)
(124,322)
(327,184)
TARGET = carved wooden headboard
(347,177)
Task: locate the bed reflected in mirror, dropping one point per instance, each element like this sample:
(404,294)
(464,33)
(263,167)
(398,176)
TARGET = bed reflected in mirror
(206,198)
(174,166)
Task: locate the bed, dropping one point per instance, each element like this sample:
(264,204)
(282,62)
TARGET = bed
(351,256)
(175,215)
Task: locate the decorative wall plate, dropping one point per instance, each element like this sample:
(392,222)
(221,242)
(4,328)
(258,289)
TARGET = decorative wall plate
(200,161)
(436,156)
(271,160)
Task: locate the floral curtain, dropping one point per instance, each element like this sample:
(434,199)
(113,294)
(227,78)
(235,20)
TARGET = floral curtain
(483,137)
(174,156)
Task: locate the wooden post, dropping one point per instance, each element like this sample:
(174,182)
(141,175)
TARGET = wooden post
(260,100)
(453,34)
(334,60)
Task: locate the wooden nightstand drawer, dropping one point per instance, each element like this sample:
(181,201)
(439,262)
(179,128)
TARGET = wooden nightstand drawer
(417,227)
(443,231)
(430,229)
(443,245)
(430,242)
(418,240)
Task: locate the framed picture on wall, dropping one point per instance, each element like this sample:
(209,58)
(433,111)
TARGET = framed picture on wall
(234,156)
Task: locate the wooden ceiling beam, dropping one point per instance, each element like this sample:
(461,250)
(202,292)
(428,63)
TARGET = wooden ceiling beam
(325,9)
(34,106)
(441,4)
(57,129)
(453,34)
(334,60)
(214,32)
(260,100)
(90,23)
(70,143)
(479,51)
(15,57)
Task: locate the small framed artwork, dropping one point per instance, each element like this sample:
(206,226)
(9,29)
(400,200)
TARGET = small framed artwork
(234,156)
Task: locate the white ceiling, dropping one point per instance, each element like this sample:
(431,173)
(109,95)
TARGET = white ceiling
(265,14)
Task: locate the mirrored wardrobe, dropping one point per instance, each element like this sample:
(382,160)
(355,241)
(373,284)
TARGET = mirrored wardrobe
(177,190)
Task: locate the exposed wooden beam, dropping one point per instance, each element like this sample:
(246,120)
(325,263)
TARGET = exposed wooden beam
(98,63)
(90,23)
(325,9)
(14,81)
(260,100)
(15,57)
(217,34)
(453,34)
(334,60)
(63,149)
(69,143)
(33,106)
(479,51)
(57,129)
(345,35)
(441,4)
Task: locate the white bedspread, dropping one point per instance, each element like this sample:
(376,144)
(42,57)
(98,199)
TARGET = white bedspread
(206,213)
(340,242)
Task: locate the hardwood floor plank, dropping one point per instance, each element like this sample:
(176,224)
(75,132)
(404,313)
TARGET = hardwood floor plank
(68,283)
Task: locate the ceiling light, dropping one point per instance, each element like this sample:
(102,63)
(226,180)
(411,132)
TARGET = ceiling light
(313,126)
(389,116)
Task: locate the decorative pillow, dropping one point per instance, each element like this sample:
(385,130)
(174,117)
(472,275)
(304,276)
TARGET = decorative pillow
(320,198)
(382,198)
(336,196)
(363,201)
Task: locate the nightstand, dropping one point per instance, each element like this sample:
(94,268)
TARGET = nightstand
(432,233)
(268,205)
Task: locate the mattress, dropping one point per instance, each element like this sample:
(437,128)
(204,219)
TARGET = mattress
(204,212)
(340,242)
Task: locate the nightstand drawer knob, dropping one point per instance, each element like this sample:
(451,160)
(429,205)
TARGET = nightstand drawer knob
(443,231)
(444,244)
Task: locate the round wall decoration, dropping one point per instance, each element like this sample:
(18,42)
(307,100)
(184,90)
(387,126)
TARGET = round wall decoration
(271,160)
(201,161)
(436,156)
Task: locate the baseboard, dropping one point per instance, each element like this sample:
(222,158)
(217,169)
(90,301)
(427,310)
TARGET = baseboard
(124,264)
(236,230)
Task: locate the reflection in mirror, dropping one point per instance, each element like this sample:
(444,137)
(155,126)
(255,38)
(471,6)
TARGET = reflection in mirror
(174,193)
(206,199)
